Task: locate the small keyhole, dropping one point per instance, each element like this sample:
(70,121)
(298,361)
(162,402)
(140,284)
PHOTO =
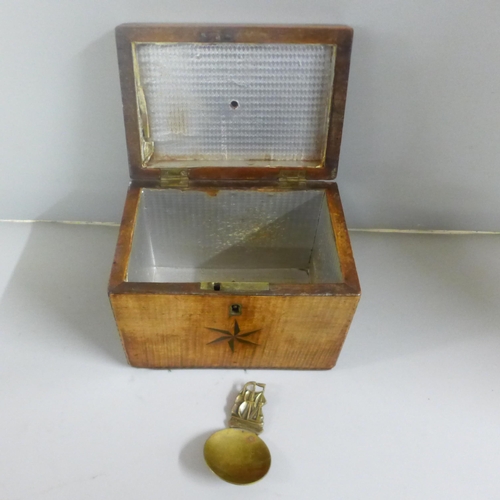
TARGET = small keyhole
(217,287)
(235,310)
(234,104)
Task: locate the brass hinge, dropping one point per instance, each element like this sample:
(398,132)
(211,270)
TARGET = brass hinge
(290,179)
(173,178)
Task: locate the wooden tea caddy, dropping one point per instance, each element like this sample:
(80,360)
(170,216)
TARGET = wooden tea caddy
(233,250)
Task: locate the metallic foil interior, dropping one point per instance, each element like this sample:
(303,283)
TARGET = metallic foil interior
(233,235)
(236,104)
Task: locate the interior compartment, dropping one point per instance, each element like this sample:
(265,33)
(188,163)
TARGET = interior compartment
(233,235)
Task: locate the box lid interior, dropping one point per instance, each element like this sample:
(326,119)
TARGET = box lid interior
(233,102)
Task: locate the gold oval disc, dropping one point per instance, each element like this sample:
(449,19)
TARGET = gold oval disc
(237,456)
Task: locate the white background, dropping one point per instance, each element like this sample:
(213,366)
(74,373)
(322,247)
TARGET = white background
(421,144)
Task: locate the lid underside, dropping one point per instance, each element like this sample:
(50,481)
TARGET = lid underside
(236,104)
(233,102)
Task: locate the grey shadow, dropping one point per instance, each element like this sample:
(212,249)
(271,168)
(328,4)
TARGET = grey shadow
(399,175)
(420,293)
(63,270)
(61,276)
(96,131)
(257,250)
(192,461)
(464,272)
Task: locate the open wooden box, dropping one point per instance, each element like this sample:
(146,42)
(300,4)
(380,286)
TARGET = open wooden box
(233,249)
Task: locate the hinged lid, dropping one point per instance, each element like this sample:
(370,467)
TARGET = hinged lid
(233,102)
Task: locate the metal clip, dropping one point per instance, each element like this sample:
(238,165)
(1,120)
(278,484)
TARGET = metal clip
(235,286)
(291,179)
(173,178)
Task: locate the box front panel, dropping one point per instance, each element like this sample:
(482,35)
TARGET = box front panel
(209,331)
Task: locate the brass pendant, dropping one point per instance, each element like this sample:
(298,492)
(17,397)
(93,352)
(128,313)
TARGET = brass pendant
(237,454)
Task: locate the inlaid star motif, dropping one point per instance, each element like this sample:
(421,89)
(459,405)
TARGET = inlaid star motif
(230,338)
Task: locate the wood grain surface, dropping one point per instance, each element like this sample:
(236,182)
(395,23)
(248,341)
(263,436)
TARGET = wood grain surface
(166,325)
(171,331)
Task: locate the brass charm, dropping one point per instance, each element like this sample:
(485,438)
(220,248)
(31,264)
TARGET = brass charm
(247,409)
(237,454)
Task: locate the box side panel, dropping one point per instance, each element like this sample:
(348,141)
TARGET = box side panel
(343,242)
(125,237)
(198,331)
